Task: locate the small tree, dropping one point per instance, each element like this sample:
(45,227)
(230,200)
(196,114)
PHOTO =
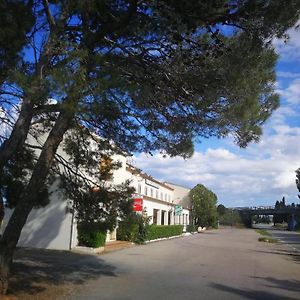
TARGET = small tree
(221,210)
(280,218)
(204,210)
(231,217)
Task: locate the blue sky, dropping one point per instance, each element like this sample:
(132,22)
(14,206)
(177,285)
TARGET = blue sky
(260,174)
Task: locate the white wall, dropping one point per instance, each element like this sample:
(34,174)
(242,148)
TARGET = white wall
(180,195)
(150,205)
(120,175)
(48,227)
(53,226)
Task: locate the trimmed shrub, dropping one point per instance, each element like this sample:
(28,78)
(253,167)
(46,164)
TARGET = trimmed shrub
(127,231)
(91,237)
(163,231)
(191,228)
(134,228)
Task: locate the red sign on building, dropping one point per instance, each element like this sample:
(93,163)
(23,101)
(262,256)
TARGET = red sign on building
(137,203)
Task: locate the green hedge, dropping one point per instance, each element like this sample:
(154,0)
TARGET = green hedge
(91,237)
(191,228)
(134,229)
(127,231)
(163,231)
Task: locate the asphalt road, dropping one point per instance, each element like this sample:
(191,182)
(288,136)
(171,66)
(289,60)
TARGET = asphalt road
(223,264)
(292,239)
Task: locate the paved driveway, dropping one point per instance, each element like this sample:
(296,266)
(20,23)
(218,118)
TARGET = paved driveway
(224,264)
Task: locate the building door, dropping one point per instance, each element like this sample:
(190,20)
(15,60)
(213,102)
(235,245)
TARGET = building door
(162,220)
(155,212)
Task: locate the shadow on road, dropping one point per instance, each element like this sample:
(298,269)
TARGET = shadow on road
(35,270)
(291,285)
(250,294)
(289,254)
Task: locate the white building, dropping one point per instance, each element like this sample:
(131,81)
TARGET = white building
(54,226)
(157,197)
(181,197)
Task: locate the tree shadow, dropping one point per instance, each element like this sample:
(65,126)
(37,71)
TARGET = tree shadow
(35,269)
(289,254)
(250,294)
(291,285)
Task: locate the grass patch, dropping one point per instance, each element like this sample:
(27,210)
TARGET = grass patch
(267,239)
(263,232)
(281,226)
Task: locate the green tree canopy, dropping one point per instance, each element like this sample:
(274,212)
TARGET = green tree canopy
(204,206)
(148,75)
(280,218)
(221,209)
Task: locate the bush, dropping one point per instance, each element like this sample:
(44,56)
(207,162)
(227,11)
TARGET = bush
(191,228)
(91,237)
(263,232)
(231,217)
(163,231)
(127,231)
(134,228)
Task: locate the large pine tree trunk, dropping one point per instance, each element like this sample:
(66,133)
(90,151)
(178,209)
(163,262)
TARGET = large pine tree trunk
(18,219)
(20,130)
(15,142)
(18,135)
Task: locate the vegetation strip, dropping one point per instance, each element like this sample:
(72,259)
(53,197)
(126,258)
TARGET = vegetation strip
(263,232)
(266,236)
(267,239)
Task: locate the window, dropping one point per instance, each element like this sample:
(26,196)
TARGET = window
(161,196)
(146,190)
(151,192)
(139,188)
(169,198)
(157,194)
(166,197)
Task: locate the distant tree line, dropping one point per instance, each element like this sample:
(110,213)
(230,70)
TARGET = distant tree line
(280,218)
(228,216)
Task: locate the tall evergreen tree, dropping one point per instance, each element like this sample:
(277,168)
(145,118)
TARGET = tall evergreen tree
(149,75)
(16,21)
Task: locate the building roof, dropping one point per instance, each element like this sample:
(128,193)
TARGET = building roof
(135,171)
(175,184)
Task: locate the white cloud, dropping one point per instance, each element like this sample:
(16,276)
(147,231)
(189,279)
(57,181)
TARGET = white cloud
(287,74)
(259,175)
(292,93)
(289,49)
